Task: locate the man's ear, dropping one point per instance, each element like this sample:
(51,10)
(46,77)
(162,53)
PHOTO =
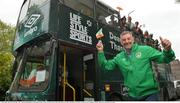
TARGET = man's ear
(120,41)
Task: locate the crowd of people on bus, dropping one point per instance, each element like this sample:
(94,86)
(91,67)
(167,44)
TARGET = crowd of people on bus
(141,37)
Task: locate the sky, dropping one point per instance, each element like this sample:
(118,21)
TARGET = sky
(159,17)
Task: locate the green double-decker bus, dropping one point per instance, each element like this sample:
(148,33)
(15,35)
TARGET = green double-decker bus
(56,57)
(55,52)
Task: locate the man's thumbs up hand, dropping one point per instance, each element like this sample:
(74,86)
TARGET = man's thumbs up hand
(165,43)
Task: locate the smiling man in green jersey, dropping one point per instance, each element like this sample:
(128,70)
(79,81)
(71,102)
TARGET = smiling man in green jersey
(135,64)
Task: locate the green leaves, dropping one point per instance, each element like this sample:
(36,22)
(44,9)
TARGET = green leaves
(6,36)
(6,58)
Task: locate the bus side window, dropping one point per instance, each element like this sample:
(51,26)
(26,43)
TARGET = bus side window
(83,6)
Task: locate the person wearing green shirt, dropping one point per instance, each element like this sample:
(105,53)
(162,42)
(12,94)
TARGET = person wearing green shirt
(134,61)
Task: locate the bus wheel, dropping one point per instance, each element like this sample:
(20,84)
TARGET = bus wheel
(115,97)
(165,94)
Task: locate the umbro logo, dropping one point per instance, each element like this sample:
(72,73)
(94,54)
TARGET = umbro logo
(32,20)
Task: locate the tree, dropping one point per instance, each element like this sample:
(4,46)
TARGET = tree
(6,57)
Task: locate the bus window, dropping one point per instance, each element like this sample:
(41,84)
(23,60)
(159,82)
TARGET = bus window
(35,74)
(27,4)
(16,62)
(37,2)
(83,6)
(24,10)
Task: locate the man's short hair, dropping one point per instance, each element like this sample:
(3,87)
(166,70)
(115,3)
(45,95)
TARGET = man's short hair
(126,32)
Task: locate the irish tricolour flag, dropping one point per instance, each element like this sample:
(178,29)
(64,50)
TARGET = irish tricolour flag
(99,34)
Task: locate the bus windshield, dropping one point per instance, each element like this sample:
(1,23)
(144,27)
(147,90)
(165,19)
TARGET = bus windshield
(36,67)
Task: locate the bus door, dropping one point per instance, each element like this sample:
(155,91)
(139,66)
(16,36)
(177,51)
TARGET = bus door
(89,76)
(77,82)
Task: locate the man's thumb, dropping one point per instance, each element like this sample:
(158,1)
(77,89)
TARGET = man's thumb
(161,38)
